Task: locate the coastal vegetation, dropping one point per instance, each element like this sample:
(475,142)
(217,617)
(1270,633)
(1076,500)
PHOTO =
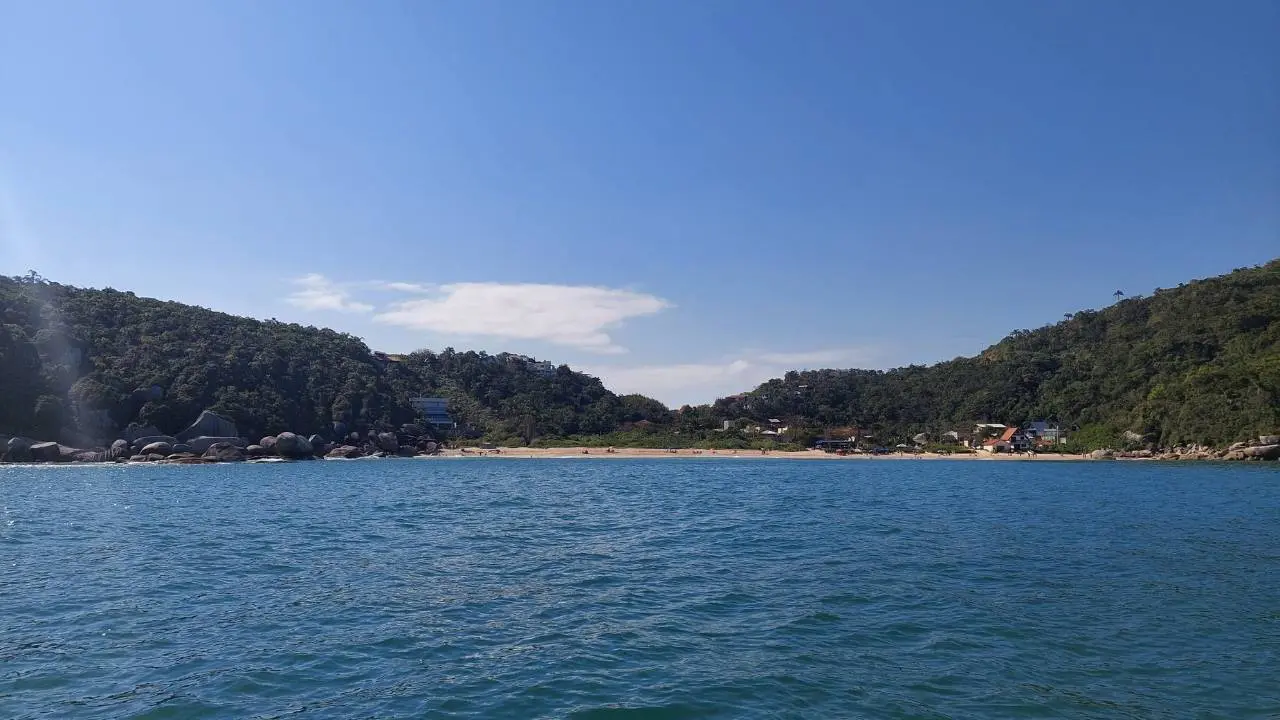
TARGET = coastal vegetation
(1199,363)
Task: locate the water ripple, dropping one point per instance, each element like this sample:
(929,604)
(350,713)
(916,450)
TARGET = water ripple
(645,589)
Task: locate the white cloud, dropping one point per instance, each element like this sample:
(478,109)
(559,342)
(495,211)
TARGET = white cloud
(569,315)
(694,383)
(415,288)
(320,293)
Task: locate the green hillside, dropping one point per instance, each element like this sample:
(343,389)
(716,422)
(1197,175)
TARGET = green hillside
(1196,363)
(82,364)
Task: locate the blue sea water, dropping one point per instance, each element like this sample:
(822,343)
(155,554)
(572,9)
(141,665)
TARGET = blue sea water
(716,588)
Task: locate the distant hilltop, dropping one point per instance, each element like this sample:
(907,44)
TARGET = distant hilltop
(1194,365)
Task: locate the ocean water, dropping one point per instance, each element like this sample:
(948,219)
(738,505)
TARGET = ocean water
(716,588)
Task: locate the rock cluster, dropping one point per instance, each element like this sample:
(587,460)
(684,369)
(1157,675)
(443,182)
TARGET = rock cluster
(1266,448)
(213,438)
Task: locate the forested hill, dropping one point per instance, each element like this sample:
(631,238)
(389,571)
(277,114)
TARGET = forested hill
(82,364)
(1196,363)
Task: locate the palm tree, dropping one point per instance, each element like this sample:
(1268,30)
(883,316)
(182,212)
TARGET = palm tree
(1118,294)
(1067,316)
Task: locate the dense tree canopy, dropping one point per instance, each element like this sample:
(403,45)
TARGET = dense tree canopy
(1198,363)
(83,362)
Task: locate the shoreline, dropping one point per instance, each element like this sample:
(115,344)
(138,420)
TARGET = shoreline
(647,453)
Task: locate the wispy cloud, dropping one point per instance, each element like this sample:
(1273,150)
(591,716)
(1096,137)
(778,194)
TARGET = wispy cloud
(569,315)
(316,292)
(406,287)
(693,383)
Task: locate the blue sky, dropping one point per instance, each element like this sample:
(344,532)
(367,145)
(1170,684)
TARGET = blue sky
(684,198)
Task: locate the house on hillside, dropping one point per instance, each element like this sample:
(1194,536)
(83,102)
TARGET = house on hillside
(435,411)
(385,360)
(543,368)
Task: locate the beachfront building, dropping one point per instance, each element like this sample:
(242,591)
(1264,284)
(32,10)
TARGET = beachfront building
(1044,432)
(986,431)
(435,411)
(996,445)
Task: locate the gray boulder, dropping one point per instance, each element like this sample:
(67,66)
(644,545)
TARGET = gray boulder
(18,449)
(202,443)
(1238,446)
(157,448)
(209,424)
(1263,452)
(293,446)
(345,451)
(119,449)
(142,442)
(223,452)
(46,452)
(1102,455)
(1269,439)
(183,448)
(19,443)
(318,444)
(1234,455)
(256,451)
(387,442)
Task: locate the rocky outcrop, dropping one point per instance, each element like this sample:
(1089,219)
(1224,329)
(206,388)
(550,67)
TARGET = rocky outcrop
(224,452)
(209,424)
(387,442)
(1269,439)
(46,452)
(119,449)
(18,449)
(204,442)
(345,451)
(1102,455)
(256,451)
(291,445)
(157,448)
(1262,452)
(183,448)
(318,445)
(142,442)
(268,443)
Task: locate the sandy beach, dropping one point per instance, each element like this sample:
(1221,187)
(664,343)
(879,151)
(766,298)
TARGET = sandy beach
(633,453)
